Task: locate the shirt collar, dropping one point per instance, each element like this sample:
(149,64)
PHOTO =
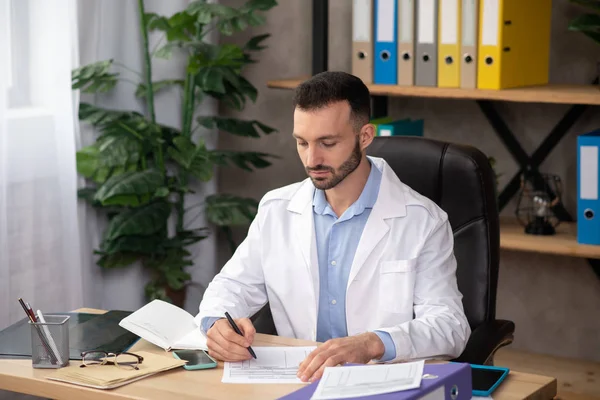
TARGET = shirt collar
(366,199)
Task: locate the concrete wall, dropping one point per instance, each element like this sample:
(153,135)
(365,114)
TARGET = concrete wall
(553,300)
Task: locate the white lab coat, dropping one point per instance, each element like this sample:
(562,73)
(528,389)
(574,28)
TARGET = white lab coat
(404,264)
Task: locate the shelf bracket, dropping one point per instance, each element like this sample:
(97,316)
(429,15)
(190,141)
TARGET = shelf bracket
(530,164)
(320,35)
(379,106)
(595,265)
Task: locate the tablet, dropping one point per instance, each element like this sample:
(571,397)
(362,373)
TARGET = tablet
(486,378)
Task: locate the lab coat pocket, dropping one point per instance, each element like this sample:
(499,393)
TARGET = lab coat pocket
(396,285)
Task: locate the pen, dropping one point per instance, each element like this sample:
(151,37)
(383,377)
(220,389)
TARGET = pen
(32,318)
(237,330)
(30,311)
(29,315)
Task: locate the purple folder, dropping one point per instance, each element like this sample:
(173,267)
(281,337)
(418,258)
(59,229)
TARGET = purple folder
(450,381)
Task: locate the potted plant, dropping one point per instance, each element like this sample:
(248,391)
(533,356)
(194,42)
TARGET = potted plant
(139,171)
(588,23)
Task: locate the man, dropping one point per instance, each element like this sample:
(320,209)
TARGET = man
(351,256)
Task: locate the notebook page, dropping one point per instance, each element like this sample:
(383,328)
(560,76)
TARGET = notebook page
(160,320)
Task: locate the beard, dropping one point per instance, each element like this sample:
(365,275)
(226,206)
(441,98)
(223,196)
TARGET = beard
(347,167)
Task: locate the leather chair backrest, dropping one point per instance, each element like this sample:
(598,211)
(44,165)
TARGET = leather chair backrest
(459,179)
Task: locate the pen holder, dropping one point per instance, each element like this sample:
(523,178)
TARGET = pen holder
(50,342)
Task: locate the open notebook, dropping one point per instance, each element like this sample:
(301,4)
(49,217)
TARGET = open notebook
(166,326)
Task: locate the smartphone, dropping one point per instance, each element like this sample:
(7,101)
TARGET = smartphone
(486,378)
(196,359)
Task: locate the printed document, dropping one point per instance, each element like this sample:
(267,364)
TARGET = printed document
(272,365)
(368,380)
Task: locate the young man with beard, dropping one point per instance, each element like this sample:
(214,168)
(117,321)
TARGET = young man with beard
(351,256)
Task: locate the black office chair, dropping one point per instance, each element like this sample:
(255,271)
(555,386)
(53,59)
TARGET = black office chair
(460,179)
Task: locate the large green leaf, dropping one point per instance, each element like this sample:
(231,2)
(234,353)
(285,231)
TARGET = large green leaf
(246,160)
(588,24)
(172,266)
(179,27)
(210,79)
(99,116)
(254,44)
(248,128)
(204,12)
(87,160)
(235,93)
(124,124)
(157,86)
(117,260)
(230,20)
(195,159)
(229,210)
(149,245)
(130,188)
(262,5)
(144,220)
(95,77)
(109,156)
(118,151)
(593,4)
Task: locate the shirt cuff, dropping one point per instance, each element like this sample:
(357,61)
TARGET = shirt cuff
(388,344)
(207,323)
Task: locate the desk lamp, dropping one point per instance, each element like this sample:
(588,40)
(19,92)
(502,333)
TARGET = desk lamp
(537,197)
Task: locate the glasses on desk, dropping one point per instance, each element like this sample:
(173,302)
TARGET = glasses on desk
(122,360)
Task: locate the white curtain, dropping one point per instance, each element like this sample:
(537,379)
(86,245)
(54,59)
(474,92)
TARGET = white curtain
(109,29)
(40,257)
(47,236)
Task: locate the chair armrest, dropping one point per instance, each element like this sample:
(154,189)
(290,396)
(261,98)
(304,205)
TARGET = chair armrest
(485,340)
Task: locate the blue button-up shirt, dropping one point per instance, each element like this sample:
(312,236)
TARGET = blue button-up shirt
(337,241)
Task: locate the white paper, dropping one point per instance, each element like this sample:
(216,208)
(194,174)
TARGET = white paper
(361,21)
(165,325)
(272,365)
(449,21)
(368,380)
(469,22)
(406,25)
(385,20)
(426,21)
(490,22)
(588,168)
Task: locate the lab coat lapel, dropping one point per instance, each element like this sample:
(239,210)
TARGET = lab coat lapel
(375,229)
(303,225)
(390,204)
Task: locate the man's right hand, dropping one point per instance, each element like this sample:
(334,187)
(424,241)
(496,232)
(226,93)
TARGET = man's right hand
(226,345)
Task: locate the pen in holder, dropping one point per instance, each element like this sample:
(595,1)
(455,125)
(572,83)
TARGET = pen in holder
(50,341)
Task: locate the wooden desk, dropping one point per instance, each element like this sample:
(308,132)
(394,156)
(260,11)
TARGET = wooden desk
(19,376)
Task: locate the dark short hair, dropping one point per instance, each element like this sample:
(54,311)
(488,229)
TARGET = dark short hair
(333,86)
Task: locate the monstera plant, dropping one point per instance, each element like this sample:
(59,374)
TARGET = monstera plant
(140,172)
(588,23)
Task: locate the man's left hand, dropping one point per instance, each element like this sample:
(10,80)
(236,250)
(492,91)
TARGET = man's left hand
(358,349)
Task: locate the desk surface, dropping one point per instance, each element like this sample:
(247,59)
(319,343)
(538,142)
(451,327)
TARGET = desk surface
(19,376)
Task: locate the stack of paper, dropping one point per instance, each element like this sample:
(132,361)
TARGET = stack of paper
(368,380)
(272,365)
(109,376)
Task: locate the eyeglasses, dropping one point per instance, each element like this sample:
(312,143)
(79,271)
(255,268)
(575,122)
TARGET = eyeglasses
(122,360)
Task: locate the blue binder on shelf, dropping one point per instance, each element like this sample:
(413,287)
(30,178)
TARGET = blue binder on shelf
(402,127)
(386,45)
(588,202)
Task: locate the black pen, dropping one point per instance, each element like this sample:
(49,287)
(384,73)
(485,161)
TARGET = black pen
(237,330)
